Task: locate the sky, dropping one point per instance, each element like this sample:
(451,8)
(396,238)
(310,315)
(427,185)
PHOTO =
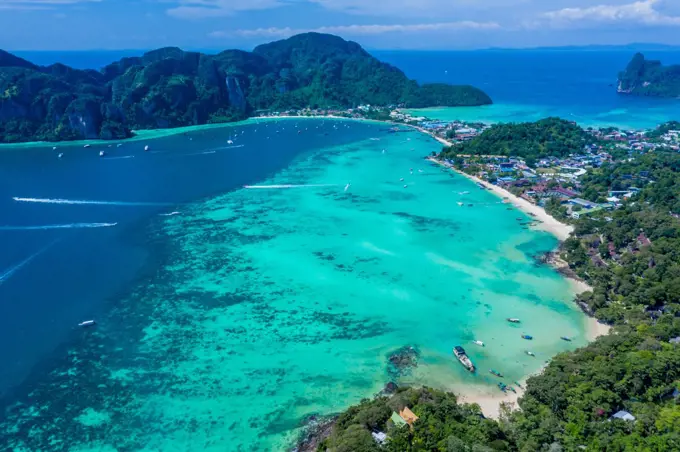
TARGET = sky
(376,24)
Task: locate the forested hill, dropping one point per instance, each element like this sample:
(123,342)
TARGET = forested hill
(170,87)
(649,78)
(550,137)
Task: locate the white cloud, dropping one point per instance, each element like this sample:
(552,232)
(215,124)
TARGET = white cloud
(640,12)
(360,30)
(200,9)
(39,4)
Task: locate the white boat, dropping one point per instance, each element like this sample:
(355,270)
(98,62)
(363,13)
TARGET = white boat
(530,353)
(512,320)
(463,358)
(230,142)
(146,148)
(102,153)
(118,145)
(87,323)
(420,171)
(401,180)
(87,146)
(54,148)
(347,187)
(405,186)
(60,155)
(480,343)
(460,204)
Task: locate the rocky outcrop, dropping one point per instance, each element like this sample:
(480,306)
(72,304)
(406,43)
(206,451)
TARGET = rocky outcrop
(649,78)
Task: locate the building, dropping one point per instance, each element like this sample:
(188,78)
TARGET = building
(408,416)
(583,203)
(507,167)
(623,415)
(397,420)
(379,437)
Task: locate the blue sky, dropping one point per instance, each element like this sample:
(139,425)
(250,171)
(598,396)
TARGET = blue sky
(377,24)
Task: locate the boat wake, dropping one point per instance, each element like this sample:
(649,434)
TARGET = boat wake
(88,202)
(280,187)
(57,226)
(120,158)
(169,214)
(11,271)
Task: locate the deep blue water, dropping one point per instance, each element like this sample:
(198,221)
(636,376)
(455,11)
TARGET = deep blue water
(75,273)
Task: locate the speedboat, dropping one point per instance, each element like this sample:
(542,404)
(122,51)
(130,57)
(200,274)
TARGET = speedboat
(530,353)
(87,146)
(60,155)
(513,320)
(461,204)
(347,187)
(146,148)
(480,343)
(459,352)
(54,148)
(230,142)
(527,337)
(87,323)
(102,153)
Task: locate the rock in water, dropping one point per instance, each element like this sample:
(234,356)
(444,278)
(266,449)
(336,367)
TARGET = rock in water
(402,361)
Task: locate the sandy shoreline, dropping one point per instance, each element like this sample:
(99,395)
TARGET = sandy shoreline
(489,399)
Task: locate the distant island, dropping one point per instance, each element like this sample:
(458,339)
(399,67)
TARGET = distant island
(170,87)
(649,78)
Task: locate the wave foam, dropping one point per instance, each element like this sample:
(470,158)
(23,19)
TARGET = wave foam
(88,202)
(58,226)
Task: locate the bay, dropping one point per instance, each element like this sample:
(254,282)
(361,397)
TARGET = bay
(228,316)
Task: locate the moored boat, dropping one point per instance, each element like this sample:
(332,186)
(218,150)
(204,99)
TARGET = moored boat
(480,343)
(513,320)
(496,373)
(527,337)
(502,386)
(565,338)
(459,352)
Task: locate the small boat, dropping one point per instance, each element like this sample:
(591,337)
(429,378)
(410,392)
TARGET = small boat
(87,146)
(565,338)
(401,180)
(461,204)
(230,142)
(519,385)
(470,205)
(502,386)
(60,155)
(512,389)
(405,186)
(527,337)
(54,148)
(146,148)
(87,323)
(530,353)
(480,343)
(102,153)
(512,320)
(420,171)
(459,352)
(383,151)
(496,373)
(118,145)
(347,187)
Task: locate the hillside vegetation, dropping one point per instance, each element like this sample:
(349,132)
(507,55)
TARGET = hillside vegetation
(170,87)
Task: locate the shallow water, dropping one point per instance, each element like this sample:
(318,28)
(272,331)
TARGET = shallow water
(261,307)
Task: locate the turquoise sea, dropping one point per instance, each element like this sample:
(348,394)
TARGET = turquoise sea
(229,316)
